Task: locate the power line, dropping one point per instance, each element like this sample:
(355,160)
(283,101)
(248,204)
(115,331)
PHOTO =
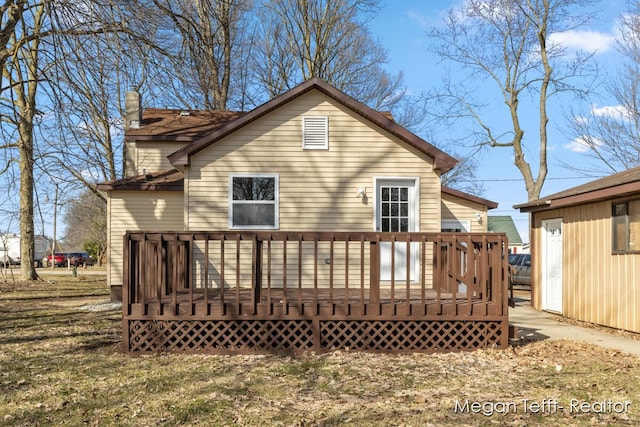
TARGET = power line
(522,179)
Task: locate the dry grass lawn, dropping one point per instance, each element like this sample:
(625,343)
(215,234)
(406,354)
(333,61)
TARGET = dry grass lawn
(60,364)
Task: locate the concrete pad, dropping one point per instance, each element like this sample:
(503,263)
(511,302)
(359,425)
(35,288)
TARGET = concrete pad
(539,325)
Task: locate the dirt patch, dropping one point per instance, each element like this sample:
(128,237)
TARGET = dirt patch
(62,366)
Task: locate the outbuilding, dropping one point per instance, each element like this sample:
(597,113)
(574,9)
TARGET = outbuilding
(585,246)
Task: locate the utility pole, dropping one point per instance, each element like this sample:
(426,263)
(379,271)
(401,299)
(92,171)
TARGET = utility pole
(55,221)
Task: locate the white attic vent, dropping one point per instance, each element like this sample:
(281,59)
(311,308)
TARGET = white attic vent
(185,113)
(315,132)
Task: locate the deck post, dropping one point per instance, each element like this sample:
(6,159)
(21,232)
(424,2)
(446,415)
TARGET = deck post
(257,272)
(126,292)
(374,273)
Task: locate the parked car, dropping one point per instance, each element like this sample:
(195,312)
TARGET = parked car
(79,259)
(521,270)
(514,258)
(59,259)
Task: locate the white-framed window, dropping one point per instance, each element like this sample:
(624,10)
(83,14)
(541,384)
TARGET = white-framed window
(315,132)
(253,201)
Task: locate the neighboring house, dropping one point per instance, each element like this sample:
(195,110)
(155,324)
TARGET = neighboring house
(315,152)
(585,245)
(505,224)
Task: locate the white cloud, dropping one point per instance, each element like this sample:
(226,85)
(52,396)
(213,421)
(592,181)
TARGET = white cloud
(615,111)
(581,120)
(589,41)
(580,145)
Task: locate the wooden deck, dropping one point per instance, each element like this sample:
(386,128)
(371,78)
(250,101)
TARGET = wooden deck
(229,292)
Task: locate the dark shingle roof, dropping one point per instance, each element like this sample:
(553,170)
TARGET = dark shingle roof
(179,125)
(168,180)
(616,185)
(488,203)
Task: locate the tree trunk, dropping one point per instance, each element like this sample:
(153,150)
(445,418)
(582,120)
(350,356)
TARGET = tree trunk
(27,267)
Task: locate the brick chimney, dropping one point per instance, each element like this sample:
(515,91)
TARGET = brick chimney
(133,110)
(132,120)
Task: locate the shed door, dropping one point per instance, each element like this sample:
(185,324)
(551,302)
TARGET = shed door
(551,271)
(396,213)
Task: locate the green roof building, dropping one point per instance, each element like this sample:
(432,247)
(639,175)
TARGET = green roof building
(505,224)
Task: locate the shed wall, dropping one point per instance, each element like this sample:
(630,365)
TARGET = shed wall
(598,286)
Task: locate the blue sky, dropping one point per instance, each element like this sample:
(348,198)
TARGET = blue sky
(402,26)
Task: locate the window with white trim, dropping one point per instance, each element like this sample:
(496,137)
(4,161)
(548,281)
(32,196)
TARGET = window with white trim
(253,201)
(315,132)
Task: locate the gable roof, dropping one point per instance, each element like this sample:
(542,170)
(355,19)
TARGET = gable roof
(470,197)
(504,224)
(442,161)
(168,180)
(616,185)
(160,124)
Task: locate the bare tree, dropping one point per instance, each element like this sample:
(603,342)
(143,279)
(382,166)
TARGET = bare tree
(11,13)
(21,72)
(82,138)
(610,135)
(86,219)
(24,61)
(300,39)
(209,34)
(506,43)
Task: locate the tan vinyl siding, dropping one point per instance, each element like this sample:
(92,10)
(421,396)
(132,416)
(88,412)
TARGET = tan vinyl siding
(318,188)
(459,209)
(139,210)
(151,156)
(598,286)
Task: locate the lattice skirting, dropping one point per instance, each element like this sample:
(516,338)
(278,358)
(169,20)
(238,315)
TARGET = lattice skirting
(264,336)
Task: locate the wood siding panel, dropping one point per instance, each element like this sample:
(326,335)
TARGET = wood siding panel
(139,210)
(598,286)
(456,208)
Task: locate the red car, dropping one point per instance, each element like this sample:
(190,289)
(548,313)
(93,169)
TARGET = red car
(59,259)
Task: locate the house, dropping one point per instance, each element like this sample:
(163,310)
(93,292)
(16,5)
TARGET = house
(505,224)
(585,256)
(462,212)
(312,169)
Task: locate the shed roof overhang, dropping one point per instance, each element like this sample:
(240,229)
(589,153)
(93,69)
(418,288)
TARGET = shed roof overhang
(622,184)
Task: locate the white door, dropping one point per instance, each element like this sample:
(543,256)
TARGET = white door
(552,265)
(396,205)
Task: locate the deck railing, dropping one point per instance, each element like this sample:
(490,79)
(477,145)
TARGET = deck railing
(276,276)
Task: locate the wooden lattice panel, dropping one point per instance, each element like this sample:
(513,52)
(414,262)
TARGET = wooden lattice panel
(219,335)
(236,336)
(396,335)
